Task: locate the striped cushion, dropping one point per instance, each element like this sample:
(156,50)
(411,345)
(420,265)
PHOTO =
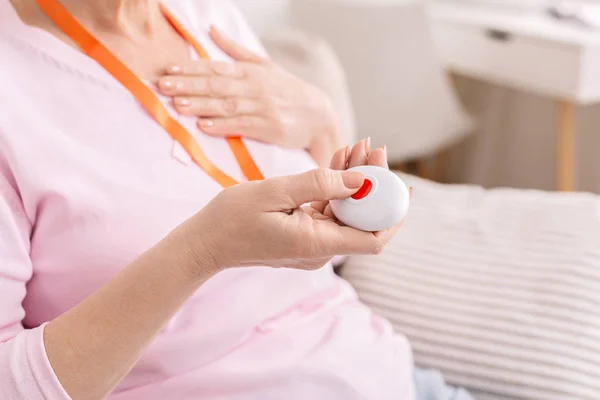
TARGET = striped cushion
(499,289)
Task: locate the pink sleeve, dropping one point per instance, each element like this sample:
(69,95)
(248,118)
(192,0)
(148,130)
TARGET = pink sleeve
(25,370)
(337,261)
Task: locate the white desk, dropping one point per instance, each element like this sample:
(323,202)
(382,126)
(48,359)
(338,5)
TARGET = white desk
(528,51)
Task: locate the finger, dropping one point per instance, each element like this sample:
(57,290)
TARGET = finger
(314,213)
(378,158)
(322,184)
(319,206)
(343,240)
(327,237)
(328,212)
(250,126)
(358,155)
(212,86)
(338,161)
(213,107)
(233,49)
(387,234)
(208,68)
(324,207)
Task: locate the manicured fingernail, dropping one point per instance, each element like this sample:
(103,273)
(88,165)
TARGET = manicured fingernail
(174,69)
(353,179)
(384,148)
(206,123)
(368,145)
(347,159)
(182,102)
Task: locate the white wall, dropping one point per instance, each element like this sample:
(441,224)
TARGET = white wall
(268,15)
(265,15)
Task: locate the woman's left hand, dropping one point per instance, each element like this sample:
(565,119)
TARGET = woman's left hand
(253,98)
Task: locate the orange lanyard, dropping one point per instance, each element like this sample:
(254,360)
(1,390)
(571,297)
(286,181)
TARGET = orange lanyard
(103,56)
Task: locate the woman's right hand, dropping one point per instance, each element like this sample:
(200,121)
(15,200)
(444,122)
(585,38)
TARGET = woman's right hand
(265,223)
(278,222)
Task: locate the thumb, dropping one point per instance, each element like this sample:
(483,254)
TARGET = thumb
(231,48)
(291,192)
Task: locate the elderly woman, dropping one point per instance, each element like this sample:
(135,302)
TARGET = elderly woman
(126,271)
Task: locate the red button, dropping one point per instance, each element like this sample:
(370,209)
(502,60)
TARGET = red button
(364,190)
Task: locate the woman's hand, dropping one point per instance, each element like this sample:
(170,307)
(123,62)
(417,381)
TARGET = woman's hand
(287,221)
(253,98)
(256,223)
(265,223)
(359,154)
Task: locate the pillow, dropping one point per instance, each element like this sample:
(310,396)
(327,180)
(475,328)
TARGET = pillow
(499,289)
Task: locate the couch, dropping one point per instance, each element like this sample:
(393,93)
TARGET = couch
(499,289)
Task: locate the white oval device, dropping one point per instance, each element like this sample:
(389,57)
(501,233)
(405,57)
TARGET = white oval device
(379,204)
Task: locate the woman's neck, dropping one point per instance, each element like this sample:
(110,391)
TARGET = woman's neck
(130,17)
(136,19)
(131,29)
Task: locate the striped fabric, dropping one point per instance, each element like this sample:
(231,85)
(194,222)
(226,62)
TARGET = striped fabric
(499,289)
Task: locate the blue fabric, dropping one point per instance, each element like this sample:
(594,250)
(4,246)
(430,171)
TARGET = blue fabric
(430,385)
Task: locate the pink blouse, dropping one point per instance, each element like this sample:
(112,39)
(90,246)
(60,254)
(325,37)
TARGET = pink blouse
(89,181)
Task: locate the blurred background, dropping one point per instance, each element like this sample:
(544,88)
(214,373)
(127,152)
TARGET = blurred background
(488,92)
(498,289)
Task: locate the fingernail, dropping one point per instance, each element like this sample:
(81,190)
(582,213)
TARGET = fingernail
(167,84)
(410,192)
(182,102)
(347,156)
(368,145)
(174,69)
(353,179)
(384,148)
(206,123)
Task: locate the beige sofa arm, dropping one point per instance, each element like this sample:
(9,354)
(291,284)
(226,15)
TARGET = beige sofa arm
(311,59)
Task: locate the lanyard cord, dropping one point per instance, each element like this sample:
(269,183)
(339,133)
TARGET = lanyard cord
(103,56)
